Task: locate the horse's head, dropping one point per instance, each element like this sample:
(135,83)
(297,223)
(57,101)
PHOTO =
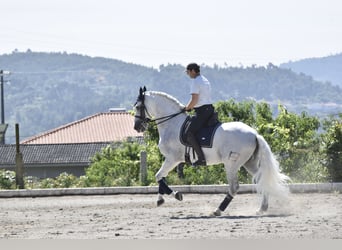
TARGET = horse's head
(141,121)
(154,103)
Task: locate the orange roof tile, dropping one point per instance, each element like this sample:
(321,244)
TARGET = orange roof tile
(101,127)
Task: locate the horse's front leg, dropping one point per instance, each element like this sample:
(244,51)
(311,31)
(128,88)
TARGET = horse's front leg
(163,187)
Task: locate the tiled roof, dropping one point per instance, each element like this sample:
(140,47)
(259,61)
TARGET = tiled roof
(101,127)
(51,154)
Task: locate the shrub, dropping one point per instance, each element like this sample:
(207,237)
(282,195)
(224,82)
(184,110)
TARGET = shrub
(7,179)
(116,165)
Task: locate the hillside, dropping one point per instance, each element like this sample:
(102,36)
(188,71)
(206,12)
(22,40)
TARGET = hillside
(325,69)
(47,90)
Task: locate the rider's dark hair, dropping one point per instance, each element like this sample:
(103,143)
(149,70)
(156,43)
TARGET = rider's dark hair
(193,66)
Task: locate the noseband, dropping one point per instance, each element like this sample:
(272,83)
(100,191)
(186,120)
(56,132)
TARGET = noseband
(143,110)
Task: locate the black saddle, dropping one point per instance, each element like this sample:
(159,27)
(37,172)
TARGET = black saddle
(205,135)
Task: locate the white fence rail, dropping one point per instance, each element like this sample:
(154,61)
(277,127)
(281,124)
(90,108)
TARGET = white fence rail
(205,189)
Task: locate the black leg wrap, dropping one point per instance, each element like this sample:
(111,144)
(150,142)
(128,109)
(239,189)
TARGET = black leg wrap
(163,187)
(225,202)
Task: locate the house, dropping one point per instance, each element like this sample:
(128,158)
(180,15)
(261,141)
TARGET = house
(50,160)
(70,147)
(101,127)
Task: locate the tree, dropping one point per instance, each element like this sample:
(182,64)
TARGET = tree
(333,148)
(293,138)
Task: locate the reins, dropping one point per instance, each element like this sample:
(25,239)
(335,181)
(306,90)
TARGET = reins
(160,119)
(166,118)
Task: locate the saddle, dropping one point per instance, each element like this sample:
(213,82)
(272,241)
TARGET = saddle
(205,135)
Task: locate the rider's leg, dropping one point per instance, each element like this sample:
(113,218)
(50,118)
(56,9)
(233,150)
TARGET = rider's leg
(203,113)
(193,141)
(195,125)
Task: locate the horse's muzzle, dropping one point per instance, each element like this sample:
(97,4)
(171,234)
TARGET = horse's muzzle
(139,125)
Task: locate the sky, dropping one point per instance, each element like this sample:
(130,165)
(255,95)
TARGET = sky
(156,32)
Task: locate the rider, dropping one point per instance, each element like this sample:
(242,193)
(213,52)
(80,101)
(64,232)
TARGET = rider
(200,91)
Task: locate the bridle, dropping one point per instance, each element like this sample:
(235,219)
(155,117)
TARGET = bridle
(144,111)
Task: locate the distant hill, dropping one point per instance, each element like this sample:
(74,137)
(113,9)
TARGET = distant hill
(47,90)
(325,69)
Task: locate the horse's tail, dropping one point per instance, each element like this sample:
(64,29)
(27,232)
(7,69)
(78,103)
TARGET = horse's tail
(269,179)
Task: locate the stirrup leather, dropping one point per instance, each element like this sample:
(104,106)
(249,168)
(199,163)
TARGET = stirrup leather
(187,155)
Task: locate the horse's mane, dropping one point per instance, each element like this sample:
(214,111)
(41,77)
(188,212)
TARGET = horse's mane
(167,96)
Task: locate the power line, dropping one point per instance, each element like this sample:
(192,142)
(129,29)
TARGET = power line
(54,72)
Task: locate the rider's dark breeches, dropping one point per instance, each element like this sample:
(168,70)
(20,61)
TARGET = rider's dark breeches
(202,115)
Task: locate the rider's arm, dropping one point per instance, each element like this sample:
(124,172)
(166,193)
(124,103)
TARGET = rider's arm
(193,101)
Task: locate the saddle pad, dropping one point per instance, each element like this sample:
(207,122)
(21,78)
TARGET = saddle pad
(205,136)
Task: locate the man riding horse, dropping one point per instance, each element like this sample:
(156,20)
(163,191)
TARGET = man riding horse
(200,90)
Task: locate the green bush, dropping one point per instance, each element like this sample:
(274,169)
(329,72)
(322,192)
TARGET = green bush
(205,175)
(64,180)
(116,165)
(7,179)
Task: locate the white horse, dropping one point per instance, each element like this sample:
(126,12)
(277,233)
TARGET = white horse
(235,144)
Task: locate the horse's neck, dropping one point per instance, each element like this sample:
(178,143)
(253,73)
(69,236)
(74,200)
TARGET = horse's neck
(171,127)
(162,105)
(169,107)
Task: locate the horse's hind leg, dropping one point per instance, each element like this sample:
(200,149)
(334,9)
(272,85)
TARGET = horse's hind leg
(252,167)
(264,204)
(232,166)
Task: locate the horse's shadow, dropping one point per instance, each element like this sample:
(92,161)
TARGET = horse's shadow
(230,217)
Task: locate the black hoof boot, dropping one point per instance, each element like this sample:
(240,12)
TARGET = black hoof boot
(179,196)
(160,202)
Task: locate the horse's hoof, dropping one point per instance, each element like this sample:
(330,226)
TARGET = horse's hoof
(179,196)
(217,212)
(260,212)
(160,202)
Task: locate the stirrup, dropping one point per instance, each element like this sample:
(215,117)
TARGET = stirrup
(199,163)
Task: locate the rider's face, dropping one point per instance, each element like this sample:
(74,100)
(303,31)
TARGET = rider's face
(191,73)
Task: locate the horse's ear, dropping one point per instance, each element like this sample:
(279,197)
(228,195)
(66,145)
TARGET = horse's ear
(140,91)
(144,89)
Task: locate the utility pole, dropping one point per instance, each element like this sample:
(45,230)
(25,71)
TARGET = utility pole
(143,168)
(3,126)
(19,164)
(2,97)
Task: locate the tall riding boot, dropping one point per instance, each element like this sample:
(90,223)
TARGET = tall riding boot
(194,143)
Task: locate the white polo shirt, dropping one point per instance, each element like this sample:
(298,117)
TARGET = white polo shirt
(201,86)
